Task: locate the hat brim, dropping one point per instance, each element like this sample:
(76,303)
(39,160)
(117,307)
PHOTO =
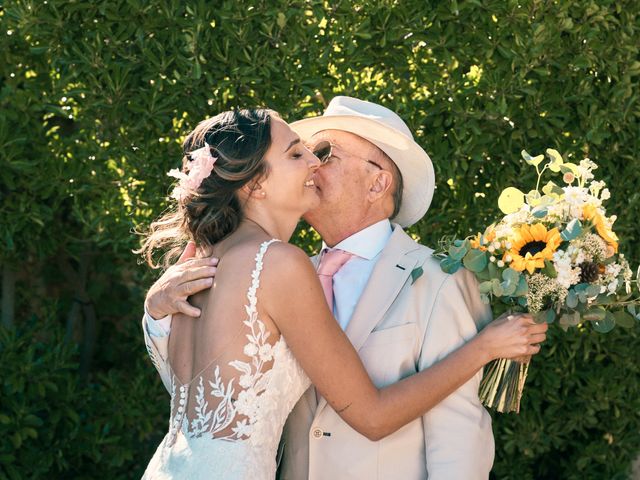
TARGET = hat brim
(415,166)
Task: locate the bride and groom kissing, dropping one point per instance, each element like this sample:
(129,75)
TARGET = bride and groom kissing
(362,363)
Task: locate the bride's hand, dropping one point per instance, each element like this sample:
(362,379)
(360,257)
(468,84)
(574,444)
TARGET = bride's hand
(515,336)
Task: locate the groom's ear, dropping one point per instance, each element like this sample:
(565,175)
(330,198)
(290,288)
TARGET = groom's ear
(380,185)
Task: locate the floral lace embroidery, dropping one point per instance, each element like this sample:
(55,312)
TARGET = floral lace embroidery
(253,381)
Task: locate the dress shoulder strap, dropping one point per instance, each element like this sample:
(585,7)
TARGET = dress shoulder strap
(255,275)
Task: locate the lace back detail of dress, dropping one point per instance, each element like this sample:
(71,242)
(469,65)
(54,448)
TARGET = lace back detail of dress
(235,401)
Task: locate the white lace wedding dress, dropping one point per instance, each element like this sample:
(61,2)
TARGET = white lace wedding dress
(227,421)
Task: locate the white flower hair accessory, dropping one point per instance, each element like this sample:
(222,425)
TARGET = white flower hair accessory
(199,168)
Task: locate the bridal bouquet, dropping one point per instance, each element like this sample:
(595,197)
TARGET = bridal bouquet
(555,255)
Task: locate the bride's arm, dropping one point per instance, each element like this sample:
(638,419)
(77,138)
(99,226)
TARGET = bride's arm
(293,298)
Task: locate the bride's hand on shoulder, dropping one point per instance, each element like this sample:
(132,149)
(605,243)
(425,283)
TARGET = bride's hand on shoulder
(513,336)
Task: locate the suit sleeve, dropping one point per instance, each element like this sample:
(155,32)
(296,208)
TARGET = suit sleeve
(458,436)
(158,349)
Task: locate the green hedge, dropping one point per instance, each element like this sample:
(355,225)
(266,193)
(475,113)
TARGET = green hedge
(96,96)
(53,426)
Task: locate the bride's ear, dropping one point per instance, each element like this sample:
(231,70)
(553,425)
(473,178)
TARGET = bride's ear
(253,190)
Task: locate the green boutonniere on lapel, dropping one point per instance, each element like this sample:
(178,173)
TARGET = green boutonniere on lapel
(416,273)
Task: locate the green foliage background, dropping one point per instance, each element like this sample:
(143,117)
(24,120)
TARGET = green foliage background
(95,98)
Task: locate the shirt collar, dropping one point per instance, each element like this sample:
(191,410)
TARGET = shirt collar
(368,242)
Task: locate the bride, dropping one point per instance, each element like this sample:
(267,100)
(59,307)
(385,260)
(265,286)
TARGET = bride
(266,331)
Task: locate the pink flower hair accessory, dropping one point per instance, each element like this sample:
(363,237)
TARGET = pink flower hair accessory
(199,168)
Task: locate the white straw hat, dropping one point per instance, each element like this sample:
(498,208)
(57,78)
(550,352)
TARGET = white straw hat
(387,131)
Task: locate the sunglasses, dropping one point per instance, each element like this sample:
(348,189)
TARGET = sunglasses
(324,151)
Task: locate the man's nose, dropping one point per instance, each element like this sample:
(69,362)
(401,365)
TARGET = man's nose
(314,162)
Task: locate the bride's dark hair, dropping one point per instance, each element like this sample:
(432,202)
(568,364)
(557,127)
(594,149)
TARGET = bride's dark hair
(238,140)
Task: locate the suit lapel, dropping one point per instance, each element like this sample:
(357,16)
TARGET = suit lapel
(391,272)
(389,275)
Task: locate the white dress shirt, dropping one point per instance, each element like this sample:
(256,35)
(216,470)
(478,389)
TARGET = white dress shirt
(348,282)
(157,328)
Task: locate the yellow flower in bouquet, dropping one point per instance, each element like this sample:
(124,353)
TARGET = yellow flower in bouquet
(531,245)
(590,212)
(481,241)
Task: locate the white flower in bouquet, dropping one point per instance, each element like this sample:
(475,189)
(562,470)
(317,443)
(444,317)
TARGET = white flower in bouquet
(575,198)
(563,263)
(585,169)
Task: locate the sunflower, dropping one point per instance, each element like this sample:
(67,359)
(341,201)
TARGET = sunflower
(531,245)
(591,213)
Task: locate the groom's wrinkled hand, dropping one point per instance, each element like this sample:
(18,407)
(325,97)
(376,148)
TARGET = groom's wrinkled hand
(168,295)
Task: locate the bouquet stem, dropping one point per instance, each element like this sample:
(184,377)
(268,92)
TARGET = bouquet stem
(503,383)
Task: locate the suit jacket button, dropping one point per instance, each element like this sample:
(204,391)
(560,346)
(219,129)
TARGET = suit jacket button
(317,433)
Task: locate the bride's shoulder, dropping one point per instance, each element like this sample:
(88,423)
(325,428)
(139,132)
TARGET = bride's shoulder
(278,254)
(283,254)
(284,261)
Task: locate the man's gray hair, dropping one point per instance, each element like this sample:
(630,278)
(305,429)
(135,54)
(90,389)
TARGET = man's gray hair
(398,187)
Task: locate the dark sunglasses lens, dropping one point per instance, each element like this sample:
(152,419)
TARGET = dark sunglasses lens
(323,151)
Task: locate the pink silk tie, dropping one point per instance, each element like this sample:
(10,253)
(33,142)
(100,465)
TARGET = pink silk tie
(330,263)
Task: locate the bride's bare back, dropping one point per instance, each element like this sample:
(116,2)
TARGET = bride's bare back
(222,359)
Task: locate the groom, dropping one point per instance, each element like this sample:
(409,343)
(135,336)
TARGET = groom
(400,311)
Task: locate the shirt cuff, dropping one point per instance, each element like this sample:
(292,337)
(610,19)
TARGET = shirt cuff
(157,328)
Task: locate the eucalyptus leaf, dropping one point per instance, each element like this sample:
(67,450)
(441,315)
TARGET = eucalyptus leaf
(606,324)
(572,299)
(485,287)
(511,280)
(511,200)
(555,160)
(549,270)
(540,212)
(510,275)
(508,289)
(593,290)
(624,319)
(570,168)
(523,288)
(498,291)
(570,319)
(532,160)
(458,252)
(552,189)
(475,260)
(594,314)
(492,269)
(604,299)
(533,198)
(484,275)
(449,265)
(572,230)
(545,316)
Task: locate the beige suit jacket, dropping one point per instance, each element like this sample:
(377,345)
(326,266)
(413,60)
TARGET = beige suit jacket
(399,327)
